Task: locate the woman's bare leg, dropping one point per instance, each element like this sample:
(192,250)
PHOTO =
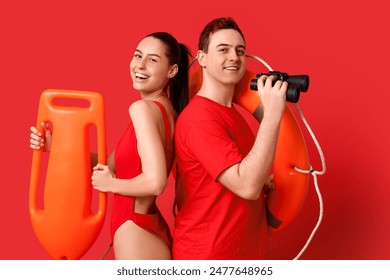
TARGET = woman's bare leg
(134,243)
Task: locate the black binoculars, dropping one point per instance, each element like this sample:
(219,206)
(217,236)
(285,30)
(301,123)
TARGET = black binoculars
(296,84)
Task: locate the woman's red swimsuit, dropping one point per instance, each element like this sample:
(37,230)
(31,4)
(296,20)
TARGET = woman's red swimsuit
(128,165)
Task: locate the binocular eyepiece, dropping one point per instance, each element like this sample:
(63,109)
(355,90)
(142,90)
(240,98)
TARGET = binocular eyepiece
(296,84)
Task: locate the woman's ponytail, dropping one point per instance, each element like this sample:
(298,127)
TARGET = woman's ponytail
(179,54)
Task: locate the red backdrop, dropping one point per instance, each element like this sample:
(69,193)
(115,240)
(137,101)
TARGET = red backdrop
(87,46)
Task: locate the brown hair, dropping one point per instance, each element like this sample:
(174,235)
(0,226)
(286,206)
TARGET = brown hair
(214,26)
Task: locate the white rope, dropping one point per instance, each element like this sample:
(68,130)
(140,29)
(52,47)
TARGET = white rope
(315,142)
(261,60)
(319,218)
(314,173)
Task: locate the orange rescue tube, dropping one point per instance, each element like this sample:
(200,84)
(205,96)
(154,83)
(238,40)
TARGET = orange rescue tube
(66,225)
(285,202)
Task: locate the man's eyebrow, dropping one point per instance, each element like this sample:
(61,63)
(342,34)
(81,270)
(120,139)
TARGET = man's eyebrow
(227,45)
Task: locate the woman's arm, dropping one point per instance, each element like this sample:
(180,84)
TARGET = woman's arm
(148,125)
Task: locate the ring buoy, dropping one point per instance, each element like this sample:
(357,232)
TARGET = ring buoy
(284,203)
(66,224)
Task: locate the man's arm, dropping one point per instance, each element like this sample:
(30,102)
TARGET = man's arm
(246,178)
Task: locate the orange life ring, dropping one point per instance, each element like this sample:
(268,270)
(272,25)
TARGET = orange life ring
(66,225)
(285,202)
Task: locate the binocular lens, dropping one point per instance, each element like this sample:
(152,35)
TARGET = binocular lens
(253,85)
(302,81)
(296,84)
(292,94)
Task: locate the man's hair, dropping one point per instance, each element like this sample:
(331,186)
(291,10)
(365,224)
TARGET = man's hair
(214,26)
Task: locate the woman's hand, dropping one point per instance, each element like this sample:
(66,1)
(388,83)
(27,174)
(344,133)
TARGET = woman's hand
(37,140)
(102,178)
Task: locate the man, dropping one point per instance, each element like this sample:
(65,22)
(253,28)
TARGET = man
(221,166)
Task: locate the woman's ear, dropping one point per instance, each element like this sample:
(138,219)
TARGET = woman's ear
(173,71)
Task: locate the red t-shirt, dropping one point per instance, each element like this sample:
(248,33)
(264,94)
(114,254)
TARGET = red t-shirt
(212,222)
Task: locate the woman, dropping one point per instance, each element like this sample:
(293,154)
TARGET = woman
(137,170)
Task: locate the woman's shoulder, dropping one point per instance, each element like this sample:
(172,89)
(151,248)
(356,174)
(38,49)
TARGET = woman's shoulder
(142,107)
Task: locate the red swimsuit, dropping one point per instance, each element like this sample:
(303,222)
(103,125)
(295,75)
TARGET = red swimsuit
(128,165)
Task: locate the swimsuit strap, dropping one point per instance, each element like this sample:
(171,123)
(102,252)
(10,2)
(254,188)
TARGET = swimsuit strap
(166,121)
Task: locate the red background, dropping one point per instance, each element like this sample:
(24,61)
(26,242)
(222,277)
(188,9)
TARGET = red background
(88,45)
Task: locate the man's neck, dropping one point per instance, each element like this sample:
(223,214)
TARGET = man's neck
(220,93)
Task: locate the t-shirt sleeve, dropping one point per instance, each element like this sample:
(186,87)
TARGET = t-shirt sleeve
(212,146)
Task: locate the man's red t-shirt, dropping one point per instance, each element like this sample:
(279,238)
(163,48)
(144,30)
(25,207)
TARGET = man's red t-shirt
(212,222)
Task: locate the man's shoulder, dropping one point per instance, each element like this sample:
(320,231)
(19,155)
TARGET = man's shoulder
(196,108)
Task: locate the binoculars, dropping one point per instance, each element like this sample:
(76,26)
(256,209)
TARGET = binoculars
(296,84)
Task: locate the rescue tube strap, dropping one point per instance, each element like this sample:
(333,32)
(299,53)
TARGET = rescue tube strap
(272,220)
(103,257)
